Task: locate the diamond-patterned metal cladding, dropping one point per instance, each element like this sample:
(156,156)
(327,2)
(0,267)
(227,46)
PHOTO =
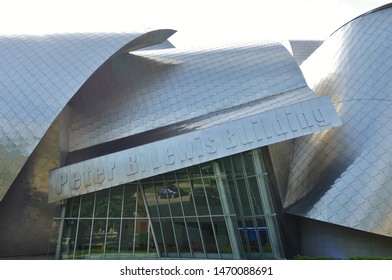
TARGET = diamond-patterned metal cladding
(39,75)
(301,49)
(343,176)
(154,89)
(149,96)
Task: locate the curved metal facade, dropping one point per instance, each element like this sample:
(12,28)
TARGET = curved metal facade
(98,104)
(175,99)
(38,76)
(155,89)
(343,176)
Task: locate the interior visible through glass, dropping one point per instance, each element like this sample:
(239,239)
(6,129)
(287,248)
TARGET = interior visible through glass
(214,210)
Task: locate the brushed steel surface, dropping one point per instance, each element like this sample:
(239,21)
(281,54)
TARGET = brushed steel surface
(38,76)
(215,140)
(343,176)
(301,49)
(151,89)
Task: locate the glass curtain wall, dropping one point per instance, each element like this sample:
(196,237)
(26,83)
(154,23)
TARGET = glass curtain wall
(219,210)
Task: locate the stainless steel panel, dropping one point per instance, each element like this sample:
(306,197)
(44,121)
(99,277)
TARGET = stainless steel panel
(214,141)
(151,89)
(342,176)
(301,49)
(38,76)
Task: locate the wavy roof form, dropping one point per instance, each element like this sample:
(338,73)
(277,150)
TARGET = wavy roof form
(39,75)
(166,95)
(343,176)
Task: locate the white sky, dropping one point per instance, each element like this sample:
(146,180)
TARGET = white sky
(197,23)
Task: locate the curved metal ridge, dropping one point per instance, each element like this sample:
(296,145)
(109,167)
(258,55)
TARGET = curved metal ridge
(39,75)
(386,6)
(343,176)
(154,89)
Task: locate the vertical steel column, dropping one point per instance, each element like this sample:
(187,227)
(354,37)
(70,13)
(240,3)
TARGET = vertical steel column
(230,217)
(140,186)
(268,205)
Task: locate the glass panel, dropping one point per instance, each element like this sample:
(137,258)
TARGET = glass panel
(212,195)
(244,238)
(151,198)
(208,235)
(264,238)
(187,204)
(140,207)
(206,169)
(255,196)
(227,167)
(127,238)
(223,238)
(141,237)
(182,237)
(200,199)
(83,239)
(164,195)
(194,171)
(152,250)
(170,176)
(234,197)
(112,239)
(248,161)
(68,239)
(101,204)
(87,205)
(73,207)
(98,239)
(244,199)
(129,200)
(194,237)
(156,226)
(169,238)
(237,165)
(187,216)
(115,205)
(175,200)
(158,178)
(182,173)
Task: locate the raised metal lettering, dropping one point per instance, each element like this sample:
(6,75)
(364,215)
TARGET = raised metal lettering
(76,180)
(61,180)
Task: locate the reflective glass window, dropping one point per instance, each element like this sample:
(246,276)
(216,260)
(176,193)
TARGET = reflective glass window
(169,238)
(73,207)
(115,203)
(141,237)
(248,164)
(101,204)
(112,242)
(156,227)
(98,239)
(194,212)
(82,250)
(195,238)
(68,239)
(87,205)
(130,194)
(127,238)
(222,238)
(208,234)
(182,237)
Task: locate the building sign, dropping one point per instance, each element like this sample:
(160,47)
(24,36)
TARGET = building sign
(192,148)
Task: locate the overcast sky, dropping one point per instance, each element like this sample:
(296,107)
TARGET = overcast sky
(198,22)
